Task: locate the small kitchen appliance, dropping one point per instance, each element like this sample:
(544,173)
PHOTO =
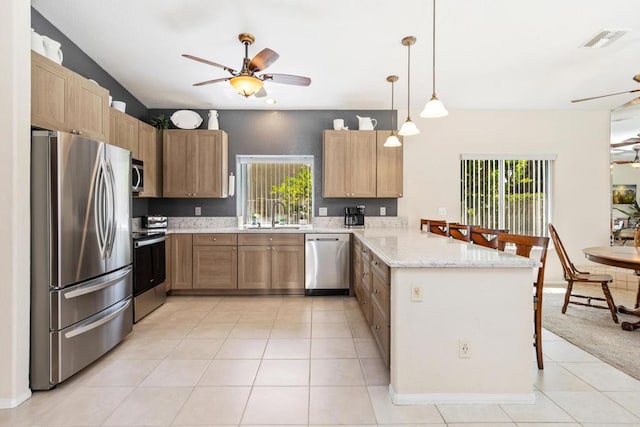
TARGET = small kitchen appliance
(354,217)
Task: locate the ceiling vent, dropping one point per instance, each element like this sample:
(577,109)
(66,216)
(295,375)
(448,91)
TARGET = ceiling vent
(604,38)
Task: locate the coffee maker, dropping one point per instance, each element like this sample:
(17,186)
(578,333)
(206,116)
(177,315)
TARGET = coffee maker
(354,217)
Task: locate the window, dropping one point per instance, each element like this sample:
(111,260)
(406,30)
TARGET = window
(507,192)
(263,181)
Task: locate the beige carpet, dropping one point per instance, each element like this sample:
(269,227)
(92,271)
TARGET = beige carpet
(593,330)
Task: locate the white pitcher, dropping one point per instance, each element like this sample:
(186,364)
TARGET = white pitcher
(213,120)
(37,44)
(366,123)
(52,49)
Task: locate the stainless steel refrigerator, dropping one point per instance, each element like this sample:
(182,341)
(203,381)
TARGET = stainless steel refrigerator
(81,273)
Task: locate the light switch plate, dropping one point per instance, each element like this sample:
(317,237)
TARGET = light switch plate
(198,211)
(322,211)
(383,211)
(442,211)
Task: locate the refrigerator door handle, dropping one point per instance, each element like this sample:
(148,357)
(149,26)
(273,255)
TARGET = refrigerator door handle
(84,329)
(111,209)
(90,288)
(99,208)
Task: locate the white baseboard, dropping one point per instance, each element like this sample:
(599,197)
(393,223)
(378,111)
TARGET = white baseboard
(12,403)
(478,398)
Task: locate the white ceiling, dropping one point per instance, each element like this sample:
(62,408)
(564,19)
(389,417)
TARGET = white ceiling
(492,54)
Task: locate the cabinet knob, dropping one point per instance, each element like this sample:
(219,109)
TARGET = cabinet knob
(76,132)
(234,248)
(214,239)
(270,238)
(400,194)
(377,327)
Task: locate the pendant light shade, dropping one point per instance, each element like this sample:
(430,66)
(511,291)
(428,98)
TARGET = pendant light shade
(408,127)
(392,140)
(435,107)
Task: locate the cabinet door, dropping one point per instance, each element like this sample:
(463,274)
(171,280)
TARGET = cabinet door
(149,153)
(209,161)
(89,109)
(254,267)
(362,163)
(181,261)
(287,267)
(176,169)
(215,267)
(167,264)
(50,86)
(389,167)
(334,163)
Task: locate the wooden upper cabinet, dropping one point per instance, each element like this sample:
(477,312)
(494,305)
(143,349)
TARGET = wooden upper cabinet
(335,152)
(362,163)
(65,101)
(389,167)
(195,163)
(150,152)
(124,131)
(349,164)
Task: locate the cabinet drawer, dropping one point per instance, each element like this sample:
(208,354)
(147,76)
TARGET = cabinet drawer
(229,239)
(365,304)
(380,268)
(380,293)
(365,277)
(381,331)
(292,239)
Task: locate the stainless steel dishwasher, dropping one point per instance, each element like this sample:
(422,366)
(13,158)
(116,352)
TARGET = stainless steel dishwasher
(327,264)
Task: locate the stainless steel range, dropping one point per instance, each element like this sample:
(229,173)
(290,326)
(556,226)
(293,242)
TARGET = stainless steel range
(148,272)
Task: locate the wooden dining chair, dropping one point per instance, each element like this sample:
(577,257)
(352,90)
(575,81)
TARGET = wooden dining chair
(523,246)
(636,243)
(435,226)
(460,231)
(487,237)
(572,275)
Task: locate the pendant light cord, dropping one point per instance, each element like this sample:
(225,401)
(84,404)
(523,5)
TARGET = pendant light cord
(434,49)
(408,81)
(392,121)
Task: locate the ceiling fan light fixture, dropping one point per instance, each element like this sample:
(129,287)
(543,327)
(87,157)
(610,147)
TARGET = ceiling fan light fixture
(246,85)
(434,109)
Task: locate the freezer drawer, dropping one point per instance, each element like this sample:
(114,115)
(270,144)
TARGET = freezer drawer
(77,346)
(327,263)
(75,303)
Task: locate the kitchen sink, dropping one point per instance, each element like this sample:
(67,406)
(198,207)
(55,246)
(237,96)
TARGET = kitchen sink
(277,227)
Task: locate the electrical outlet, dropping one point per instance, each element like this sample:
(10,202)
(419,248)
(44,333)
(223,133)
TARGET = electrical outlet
(383,211)
(464,348)
(442,211)
(416,293)
(322,211)
(198,211)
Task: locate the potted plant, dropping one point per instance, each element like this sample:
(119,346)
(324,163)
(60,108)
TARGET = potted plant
(160,121)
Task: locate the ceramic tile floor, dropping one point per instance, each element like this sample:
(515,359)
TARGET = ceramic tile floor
(205,361)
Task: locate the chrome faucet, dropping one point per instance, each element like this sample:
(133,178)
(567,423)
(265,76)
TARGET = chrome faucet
(273,212)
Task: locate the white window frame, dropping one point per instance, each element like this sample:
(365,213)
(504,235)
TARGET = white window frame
(253,159)
(546,161)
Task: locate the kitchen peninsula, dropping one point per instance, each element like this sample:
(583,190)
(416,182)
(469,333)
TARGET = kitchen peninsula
(440,292)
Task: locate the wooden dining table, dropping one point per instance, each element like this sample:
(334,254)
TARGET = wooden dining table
(623,257)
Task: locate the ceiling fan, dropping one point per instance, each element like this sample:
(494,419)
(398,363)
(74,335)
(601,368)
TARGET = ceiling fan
(246,82)
(634,163)
(636,78)
(628,141)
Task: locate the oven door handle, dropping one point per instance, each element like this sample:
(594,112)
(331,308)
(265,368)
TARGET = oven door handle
(147,242)
(89,288)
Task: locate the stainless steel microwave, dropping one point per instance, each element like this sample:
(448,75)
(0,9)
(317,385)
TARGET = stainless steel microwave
(137,176)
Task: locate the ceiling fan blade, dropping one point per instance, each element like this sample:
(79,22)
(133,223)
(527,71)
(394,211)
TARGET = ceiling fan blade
(604,96)
(206,61)
(288,79)
(630,141)
(208,82)
(261,93)
(262,60)
(634,101)
(621,162)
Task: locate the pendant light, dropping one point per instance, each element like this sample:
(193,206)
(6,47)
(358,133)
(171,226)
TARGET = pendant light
(408,127)
(392,140)
(435,107)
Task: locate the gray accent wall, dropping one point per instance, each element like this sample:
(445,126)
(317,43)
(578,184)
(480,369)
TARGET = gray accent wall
(76,60)
(278,132)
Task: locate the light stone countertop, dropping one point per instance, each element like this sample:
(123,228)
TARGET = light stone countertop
(400,247)
(414,248)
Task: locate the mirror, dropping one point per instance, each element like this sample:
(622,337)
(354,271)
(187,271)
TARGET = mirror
(625,176)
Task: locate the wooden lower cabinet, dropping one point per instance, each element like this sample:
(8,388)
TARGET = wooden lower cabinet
(372,279)
(167,263)
(271,261)
(181,261)
(215,267)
